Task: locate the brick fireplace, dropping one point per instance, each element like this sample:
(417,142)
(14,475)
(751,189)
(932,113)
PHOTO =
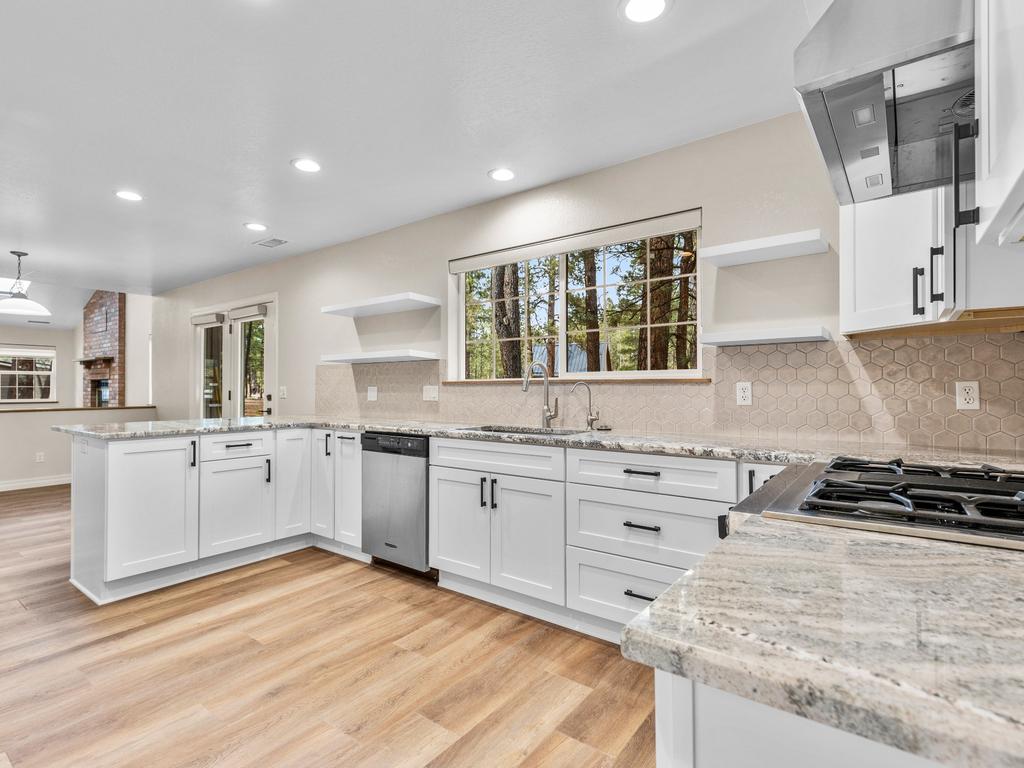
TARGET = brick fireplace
(103,349)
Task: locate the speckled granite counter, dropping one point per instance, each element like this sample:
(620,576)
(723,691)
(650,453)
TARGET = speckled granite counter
(912,643)
(713,445)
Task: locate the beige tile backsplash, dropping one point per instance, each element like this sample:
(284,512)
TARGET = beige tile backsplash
(893,391)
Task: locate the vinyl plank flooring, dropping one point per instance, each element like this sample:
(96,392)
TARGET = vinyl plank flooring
(307,659)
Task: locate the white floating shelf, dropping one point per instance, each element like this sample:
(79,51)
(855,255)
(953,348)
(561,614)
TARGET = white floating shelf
(765,249)
(383,305)
(382,356)
(781,335)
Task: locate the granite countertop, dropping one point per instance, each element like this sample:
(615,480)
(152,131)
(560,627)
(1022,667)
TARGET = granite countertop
(706,445)
(913,643)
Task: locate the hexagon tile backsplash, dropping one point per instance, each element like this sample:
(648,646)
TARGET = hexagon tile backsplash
(897,392)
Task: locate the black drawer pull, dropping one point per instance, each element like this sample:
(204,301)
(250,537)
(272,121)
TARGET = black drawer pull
(483,488)
(268,470)
(655,528)
(238,445)
(327,444)
(345,437)
(193,453)
(631,593)
(644,472)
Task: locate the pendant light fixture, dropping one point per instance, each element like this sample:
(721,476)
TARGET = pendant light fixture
(17,303)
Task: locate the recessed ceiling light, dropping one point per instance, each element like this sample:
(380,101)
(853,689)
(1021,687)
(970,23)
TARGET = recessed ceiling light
(501,174)
(127,194)
(641,11)
(255,227)
(306,165)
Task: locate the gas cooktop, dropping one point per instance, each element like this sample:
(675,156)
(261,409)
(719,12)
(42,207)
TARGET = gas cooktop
(978,505)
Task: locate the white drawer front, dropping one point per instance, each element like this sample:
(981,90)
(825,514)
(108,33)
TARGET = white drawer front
(596,583)
(235,445)
(537,461)
(713,479)
(620,522)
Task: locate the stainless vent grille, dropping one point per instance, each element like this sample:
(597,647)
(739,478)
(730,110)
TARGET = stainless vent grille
(964,106)
(270,242)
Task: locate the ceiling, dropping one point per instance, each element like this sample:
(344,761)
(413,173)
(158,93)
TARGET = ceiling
(407,104)
(65,303)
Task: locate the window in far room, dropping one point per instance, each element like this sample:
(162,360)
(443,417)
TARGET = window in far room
(27,374)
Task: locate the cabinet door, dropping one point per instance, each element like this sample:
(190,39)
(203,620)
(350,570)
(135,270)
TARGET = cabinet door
(528,536)
(152,505)
(322,516)
(236,507)
(885,255)
(752,476)
(998,64)
(348,489)
(292,482)
(460,522)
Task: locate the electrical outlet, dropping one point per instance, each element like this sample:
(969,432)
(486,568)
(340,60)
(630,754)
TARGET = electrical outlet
(744,393)
(40,457)
(430,393)
(283,392)
(967,396)
(371,394)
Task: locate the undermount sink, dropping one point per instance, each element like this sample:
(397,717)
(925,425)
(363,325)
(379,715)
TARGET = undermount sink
(514,430)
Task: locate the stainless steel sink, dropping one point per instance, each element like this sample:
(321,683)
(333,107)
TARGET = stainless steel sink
(514,430)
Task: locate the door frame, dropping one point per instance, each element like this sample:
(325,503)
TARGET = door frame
(232,408)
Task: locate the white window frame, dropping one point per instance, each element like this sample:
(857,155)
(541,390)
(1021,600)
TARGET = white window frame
(33,351)
(654,227)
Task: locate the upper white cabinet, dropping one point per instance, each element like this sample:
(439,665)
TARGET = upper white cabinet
(322,501)
(236,508)
(348,485)
(999,75)
(293,482)
(152,515)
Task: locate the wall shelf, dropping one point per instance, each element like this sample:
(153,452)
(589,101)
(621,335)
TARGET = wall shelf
(803,243)
(382,356)
(781,335)
(384,305)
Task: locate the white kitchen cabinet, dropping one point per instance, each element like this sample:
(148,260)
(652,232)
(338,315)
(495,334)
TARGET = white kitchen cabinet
(321,520)
(528,536)
(292,484)
(999,158)
(540,461)
(613,587)
(673,475)
(460,522)
(152,515)
(753,475)
(236,506)
(348,489)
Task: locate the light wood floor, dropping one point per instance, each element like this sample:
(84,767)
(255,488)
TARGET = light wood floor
(305,660)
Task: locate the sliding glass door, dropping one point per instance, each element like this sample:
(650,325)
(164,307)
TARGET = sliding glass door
(212,392)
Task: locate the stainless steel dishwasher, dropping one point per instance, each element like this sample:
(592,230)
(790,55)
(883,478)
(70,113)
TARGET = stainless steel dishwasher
(395,498)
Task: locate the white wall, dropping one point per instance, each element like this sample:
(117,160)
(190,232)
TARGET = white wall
(67,372)
(138,326)
(760,180)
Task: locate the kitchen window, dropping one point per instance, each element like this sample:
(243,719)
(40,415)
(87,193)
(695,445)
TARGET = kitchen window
(27,374)
(622,309)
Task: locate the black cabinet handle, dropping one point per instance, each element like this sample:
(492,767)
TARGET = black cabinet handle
(494,499)
(345,437)
(327,444)
(655,528)
(483,488)
(934,295)
(238,445)
(750,481)
(631,593)
(723,526)
(268,470)
(962,131)
(644,472)
(917,272)
(193,453)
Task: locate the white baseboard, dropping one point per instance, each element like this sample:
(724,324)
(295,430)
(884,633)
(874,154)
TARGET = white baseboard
(34,482)
(338,548)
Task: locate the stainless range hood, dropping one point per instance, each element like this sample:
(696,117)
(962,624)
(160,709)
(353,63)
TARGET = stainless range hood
(883,84)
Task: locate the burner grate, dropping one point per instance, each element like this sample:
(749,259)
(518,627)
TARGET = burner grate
(900,467)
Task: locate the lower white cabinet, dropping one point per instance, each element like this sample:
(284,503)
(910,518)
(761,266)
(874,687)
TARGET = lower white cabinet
(321,520)
(236,508)
(528,536)
(460,522)
(613,587)
(152,513)
(348,489)
(753,475)
(499,529)
(292,482)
